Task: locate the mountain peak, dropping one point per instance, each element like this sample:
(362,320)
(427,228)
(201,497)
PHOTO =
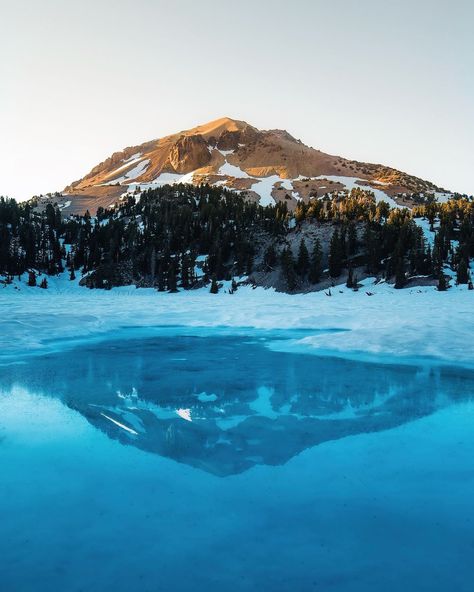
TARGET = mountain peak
(225,130)
(217,126)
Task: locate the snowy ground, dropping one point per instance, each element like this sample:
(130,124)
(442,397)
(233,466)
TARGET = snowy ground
(417,322)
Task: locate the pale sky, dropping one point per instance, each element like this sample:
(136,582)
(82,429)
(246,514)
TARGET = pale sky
(377,81)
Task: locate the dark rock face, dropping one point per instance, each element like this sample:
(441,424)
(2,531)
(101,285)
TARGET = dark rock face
(230,140)
(189,153)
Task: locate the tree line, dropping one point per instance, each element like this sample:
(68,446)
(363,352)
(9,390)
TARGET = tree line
(154,238)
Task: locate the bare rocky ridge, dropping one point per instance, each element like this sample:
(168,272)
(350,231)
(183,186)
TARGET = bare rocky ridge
(267,166)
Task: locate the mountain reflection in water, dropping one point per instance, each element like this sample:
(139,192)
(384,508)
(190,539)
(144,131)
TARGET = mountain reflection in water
(226,403)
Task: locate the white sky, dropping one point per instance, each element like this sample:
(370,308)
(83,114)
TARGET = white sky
(369,80)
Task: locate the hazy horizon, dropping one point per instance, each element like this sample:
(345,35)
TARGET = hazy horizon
(371,82)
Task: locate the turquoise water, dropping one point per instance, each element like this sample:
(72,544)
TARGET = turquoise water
(212,462)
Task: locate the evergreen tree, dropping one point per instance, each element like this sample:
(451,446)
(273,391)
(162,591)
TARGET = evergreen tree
(315,263)
(161,275)
(214,286)
(172,276)
(152,263)
(351,239)
(355,284)
(302,265)
(288,269)
(350,278)
(462,276)
(270,258)
(249,260)
(336,255)
(400,276)
(186,271)
(442,285)
(373,248)
(428,262)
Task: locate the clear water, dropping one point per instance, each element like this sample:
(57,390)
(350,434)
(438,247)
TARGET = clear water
(209,462)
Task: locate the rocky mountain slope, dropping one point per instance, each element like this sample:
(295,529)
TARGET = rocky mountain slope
(267,166)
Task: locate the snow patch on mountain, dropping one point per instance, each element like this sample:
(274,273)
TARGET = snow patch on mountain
(442,197)
(187,178)
(232,171)
(138,170)
(167,179)
(356,183)
(424,224)
(264,187)
(135,158)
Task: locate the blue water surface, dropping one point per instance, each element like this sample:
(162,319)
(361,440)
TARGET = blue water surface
(210,462)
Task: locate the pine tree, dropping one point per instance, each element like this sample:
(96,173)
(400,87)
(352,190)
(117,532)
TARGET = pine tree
(185,271)
(442,285)
(161,276)
(172,276)
(355,284)
(351,239)
(214,286)
(302,265)
(249,260)
(270,257)
(428,262)
(152,264)
(462,276)
(373,250)
(350,278)
(288,268)
(315,263)
(336,255)
(400,277)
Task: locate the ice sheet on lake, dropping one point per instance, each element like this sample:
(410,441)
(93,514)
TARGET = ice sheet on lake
(412,322)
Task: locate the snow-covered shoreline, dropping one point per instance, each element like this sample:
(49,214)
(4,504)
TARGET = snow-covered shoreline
(410,324)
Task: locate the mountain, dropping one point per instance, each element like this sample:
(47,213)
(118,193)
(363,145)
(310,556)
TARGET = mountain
(267,166)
